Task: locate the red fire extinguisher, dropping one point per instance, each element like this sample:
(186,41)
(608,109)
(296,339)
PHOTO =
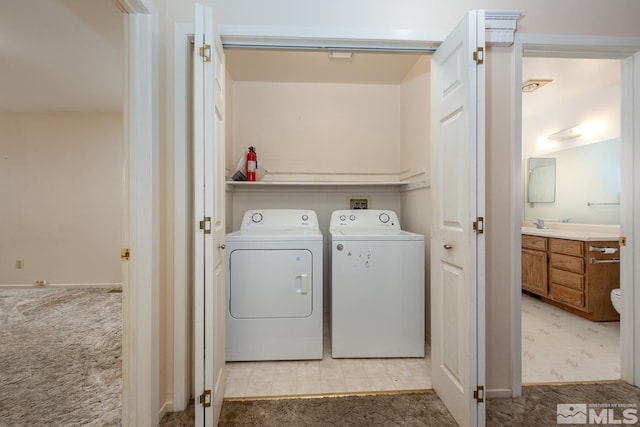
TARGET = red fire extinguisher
(252,164)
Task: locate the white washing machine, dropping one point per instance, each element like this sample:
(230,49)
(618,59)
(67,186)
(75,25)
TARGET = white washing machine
(274,287)
(377,286)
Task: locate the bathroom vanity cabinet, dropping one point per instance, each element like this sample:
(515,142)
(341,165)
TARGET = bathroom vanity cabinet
(574,275)
(534,265)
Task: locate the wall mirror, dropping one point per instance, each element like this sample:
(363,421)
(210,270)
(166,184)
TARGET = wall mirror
(542,180)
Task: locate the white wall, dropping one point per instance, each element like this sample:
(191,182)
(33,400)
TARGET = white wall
(318,131)
(61,191)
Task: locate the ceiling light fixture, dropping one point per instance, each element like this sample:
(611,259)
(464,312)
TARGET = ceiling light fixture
(565,134)
(532,85)
(340,55)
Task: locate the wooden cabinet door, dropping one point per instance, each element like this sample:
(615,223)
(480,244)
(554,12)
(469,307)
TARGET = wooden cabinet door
(534,272)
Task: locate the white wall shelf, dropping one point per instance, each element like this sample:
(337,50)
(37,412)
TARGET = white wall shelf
(315,185)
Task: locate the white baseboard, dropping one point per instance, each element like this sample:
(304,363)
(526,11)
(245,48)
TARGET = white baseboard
(165,409)
(500,393)
(61,285)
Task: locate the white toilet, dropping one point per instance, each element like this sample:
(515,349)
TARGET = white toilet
(616,299)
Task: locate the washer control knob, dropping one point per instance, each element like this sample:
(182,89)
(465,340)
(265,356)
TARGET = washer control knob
(256,217)
(343,217)
(384,218)
(352,217)
(305,217)
(340,247)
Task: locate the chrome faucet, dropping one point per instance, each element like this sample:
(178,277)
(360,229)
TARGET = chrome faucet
(539,223)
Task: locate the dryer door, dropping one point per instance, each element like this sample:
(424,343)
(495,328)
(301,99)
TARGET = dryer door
(270,283)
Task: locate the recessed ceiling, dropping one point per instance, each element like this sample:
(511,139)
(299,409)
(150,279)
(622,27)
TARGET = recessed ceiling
(61,55)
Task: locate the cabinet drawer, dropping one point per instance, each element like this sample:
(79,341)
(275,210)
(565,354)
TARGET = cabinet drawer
(568,247)
(565,262)
(534,242)
(566,295)
(568,279)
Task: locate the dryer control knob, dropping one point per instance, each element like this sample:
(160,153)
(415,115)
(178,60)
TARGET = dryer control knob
(384,218)
(352,217)
(305,217)
(343,217)
(340,247)
(256,217)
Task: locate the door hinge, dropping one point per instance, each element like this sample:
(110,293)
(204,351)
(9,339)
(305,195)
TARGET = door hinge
(205,52)
(205,225)
(205,398)
(622,241)
(125,254)
(478,226)
(478,393)
(478,55)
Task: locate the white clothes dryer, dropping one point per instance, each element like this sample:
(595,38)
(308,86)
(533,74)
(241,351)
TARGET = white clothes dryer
(274,287)
(377,286)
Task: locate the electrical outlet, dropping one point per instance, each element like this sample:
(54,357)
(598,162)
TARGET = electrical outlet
(359,202)
(40,283)
(19,264)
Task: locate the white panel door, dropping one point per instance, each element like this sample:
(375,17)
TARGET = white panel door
(208,166)
(457,251)
(217,353)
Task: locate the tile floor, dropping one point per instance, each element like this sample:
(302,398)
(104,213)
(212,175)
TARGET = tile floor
(327,376)
(558,346)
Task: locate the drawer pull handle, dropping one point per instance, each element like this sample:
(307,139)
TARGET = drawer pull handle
(603,250)
(603,261)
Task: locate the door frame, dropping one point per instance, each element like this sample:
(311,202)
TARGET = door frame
(624,49)
(182,281)
(182,275)
(141,274)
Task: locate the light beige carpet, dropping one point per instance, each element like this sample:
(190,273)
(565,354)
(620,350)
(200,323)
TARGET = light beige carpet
(60,357)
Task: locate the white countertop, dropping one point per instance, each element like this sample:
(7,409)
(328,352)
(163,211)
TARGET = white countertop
(585,233)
